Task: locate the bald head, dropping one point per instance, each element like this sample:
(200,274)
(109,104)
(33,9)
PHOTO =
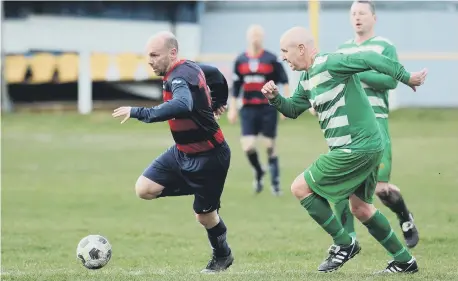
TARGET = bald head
(298,47)
(297,35)
(165,38)
(255,36)
(162,50)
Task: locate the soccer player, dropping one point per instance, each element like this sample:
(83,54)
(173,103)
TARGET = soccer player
(377,86)
(252,69)
(349,169)
(199,161)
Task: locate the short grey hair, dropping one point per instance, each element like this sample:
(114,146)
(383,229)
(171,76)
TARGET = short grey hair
(368,2)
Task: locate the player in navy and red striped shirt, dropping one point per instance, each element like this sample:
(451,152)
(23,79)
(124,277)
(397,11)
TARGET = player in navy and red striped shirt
(199,161)
(252,69)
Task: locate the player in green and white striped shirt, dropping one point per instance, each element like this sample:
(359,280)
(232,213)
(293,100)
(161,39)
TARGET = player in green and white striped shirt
(377,87)
(330,85)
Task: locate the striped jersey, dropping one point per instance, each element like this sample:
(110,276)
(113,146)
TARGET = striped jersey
(197,131)
(251,73)
(376,85)
(333,89)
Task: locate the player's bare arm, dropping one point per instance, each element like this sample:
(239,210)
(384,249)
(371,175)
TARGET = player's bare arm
(179,106)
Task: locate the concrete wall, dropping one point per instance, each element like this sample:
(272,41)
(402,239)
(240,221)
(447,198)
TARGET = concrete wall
(223,32)
(94,35)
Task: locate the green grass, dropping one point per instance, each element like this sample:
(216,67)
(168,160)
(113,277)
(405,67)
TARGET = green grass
(65,176)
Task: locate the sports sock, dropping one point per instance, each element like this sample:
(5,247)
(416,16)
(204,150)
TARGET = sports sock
(217,238)
(380,228)
(345,217)
(321,212)
(393,200)
(254,160)
(273,167)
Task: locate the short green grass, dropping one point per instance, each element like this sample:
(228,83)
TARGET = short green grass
(65,176)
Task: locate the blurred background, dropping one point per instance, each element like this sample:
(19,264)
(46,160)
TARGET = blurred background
(69,169)
(89,54)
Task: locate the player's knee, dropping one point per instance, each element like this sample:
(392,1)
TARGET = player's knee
(300,188)
(248,143)
(394,188)
(208,220)
(382,189)
(360,209)
(271,151)
(147,189)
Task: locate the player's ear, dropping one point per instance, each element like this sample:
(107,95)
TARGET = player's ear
(301,49)
(173,52)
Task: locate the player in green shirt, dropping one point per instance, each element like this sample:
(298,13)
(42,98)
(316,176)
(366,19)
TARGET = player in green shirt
(330,85)
(377,86)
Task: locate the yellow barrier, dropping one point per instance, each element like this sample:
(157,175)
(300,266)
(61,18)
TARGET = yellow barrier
(314,20)
(46,68)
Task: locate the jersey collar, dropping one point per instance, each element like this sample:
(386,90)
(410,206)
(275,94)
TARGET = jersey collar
(172,68)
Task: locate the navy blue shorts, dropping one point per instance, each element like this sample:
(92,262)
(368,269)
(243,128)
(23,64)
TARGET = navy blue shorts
(201,175)
(259,119)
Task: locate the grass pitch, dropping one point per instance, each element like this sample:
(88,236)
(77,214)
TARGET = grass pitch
(65,176)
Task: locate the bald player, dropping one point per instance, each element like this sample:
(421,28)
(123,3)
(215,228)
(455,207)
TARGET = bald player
(199,161)
(377,87)
(329,83)
(252,69)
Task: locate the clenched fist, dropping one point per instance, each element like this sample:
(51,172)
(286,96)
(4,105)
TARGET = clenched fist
(270,90)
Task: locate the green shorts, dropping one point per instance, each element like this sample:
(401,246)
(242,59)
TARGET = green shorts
(338,174)
(384,171)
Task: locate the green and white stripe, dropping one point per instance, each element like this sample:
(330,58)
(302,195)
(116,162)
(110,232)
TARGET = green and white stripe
(380,45)
(329,102)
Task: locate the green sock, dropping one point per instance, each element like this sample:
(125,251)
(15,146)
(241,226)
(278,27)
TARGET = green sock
(380,228)
(321,212)
(345,217)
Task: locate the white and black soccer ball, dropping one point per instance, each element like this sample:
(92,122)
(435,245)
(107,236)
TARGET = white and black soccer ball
(94,251)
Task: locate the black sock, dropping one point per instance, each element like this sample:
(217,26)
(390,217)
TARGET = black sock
(393,200)
(254,160)
(273,167)
(217,238)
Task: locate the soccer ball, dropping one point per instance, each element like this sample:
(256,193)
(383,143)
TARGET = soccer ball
(94,251)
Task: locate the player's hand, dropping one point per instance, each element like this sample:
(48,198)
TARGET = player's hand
(219,111)
(417,79)
(270,90)
(122,111)
(232,116)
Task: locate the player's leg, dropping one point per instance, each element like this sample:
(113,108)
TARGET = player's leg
(391,197)
(332,179)
(346,218)
(161,178)
(379,227)
(250,130)
(269,131)
(207,175)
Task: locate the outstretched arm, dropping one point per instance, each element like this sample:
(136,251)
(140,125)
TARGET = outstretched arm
(345,65)
(180,105)
(379,81)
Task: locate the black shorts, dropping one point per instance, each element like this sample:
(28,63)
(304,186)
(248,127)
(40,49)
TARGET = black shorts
(259,119)
(201,175)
